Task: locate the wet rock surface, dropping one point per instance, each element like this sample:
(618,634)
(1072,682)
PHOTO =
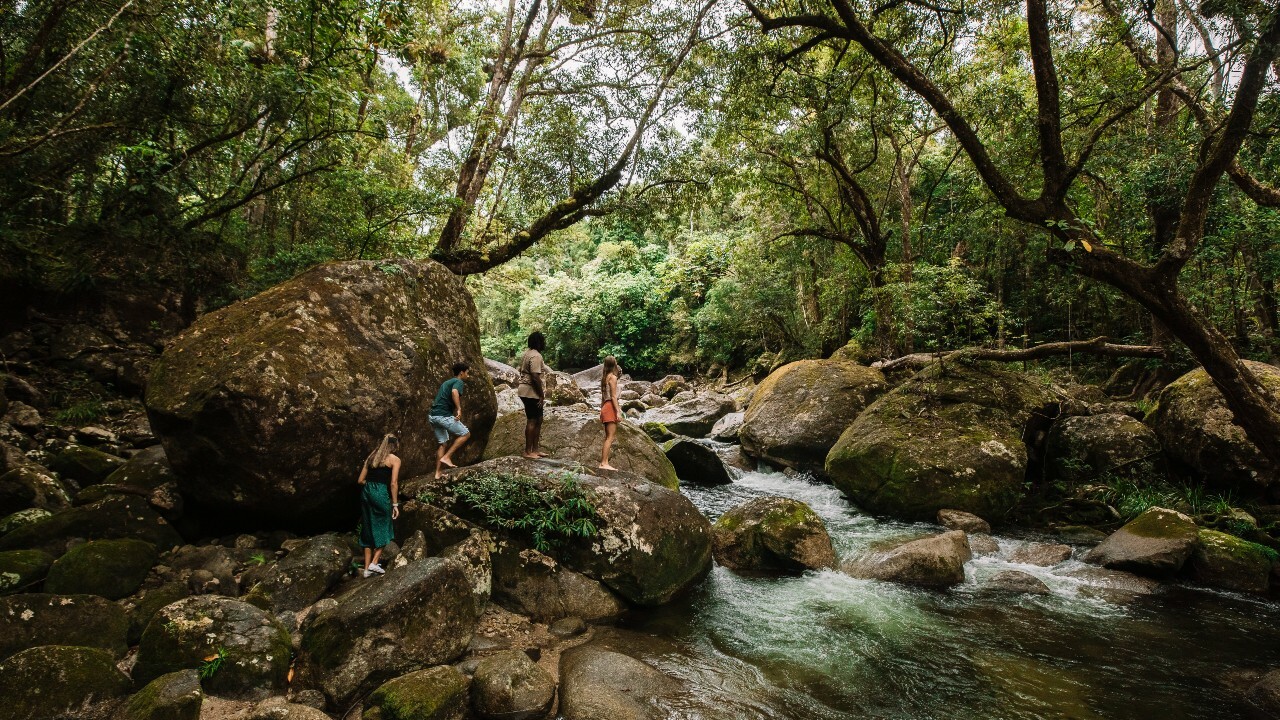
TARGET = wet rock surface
(936,562)
(772,533)
(1156,543)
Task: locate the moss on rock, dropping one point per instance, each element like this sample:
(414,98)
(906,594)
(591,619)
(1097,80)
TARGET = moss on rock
(1228,562)
(438,693)
(113,569)
(118,516)
(20,570)
(51,680)
(144,606)
(1156,543)
(772,533)
(32,619)
(85,465)
(30,486)
(175,696)
(23,517)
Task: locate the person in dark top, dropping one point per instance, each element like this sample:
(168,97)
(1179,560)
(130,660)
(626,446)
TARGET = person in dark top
(446,417)
(379,503)
(533,394)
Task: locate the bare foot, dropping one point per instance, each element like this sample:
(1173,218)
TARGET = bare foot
(532,456)
(607,467)
(541,454)
(447,463)
(438,476)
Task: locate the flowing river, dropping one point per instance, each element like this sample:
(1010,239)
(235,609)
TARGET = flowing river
(824,645)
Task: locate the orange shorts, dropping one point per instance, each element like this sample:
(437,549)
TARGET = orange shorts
(608,414)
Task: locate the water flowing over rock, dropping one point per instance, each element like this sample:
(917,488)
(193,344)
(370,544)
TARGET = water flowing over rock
(577,436)
(1265,695)
(1156,543)
(1016,581)
(773,533)
(1197,430)
(950,437)
(936,562)
(797,414)
(267,407)
(1041,554)
(695,462)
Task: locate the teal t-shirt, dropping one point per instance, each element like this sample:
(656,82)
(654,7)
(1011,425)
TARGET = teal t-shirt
(443,406)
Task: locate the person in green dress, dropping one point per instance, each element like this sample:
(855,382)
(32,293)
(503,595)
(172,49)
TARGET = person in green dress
(379,502)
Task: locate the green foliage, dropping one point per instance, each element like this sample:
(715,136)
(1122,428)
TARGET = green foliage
(942,306)
(212,664)
(258,558)
(1132,497)
(84,411)
(550,516)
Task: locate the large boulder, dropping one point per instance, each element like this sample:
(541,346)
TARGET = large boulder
(693,417)
(589,379)
(35,619)
(1225,561)
(510,686)
(1016,582)
(85,465)
(534,584)
(950,437)
(51,681)
(20,570)
(695,462)
(577,436)
(1156,543)
(935,562)
(29,486)
(798,412)
(113,569)
(438,693)
(149,601)
(345,352)
(596,683)
(1198,432)
(117,516)
(649,544)
(176,696)
(12,522)
(561,390)
(729,427)
(1083,448)
(304,575)
(241,652)
(502,372)
(414,617)
(772,533)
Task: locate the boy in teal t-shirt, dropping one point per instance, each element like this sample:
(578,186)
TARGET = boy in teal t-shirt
(446,417)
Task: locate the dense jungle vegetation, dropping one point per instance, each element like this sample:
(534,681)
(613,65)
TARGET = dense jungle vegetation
(681,185)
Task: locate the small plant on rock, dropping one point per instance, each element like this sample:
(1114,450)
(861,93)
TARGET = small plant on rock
(213,663)
(550,516)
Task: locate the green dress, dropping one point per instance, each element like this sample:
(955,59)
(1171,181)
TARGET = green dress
(375,509)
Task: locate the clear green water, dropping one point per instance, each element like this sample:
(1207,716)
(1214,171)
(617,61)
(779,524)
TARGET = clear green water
(824,645)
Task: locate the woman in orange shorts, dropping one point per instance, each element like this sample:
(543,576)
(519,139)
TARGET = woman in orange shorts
(610,411)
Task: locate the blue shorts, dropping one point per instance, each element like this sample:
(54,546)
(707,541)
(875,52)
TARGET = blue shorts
(443,426)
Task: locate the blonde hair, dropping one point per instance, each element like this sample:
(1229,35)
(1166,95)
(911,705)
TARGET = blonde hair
(378,458)
(610,368)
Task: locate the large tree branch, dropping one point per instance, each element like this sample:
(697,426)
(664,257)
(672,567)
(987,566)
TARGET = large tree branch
(1053,160)
(1096,346)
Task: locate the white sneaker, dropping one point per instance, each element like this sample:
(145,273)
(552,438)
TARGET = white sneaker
(365,573)
(376,568)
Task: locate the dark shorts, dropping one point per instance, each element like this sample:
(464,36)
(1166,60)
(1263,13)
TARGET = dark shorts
(532,408)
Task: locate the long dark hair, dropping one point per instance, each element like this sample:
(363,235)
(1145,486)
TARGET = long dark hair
(610,368)
(378,458)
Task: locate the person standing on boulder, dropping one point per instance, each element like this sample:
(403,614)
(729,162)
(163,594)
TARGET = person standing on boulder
(446,417)
(610,410)
(533,394)
(379,501)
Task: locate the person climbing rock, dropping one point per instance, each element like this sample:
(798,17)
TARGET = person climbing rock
(533,394)
(379,503)
(446,418)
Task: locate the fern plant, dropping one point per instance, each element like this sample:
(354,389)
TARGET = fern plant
(550,516)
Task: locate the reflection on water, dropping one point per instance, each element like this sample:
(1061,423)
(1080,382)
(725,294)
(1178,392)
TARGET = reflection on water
(825,645)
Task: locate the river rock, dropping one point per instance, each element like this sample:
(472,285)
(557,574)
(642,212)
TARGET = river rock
(532,583)
(561,390)
(772,533)
(1197,430)
(278,708)
(1225,561)
(936,562)
(671,385)
(1265,695)
(799,411)
(118,516)
(147,602)
(509,402)
(651,543)
(981,544)
(33,619)
(176,696)
(23,416)
(52,680)
(113,569)
(500,372)
(695,462)
(304,575)
(414,617)
(205,569)
(345,351)
(597,684)
(84,464)
(30,487)
(961,520)
(1156,543)
(693,417)
(1016,581)
(1041,554)
(12,522)
(1083,448)
(589,379)
(254,649)
(728,427)
(947,438)
(438,693)
(577,436)
(22,570)
(1113,586)
(510,686)
(148,469)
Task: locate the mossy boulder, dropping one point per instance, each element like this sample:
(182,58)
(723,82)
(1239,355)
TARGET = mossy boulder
(345,352)
(85,465)
(113,569)
(52,681)
(1083,448)
(577,436)
(1156,543)
(651,543)
(245,653)
(934,562)
(118,516)
(12,522)
(29,486)
(414,617)
(147,474)
(1228,562)
(772,534)
(695,462)
(950,437)
(438,693)
(144,606)
(33,619)
(532,583)
(305,574)
(797,414)
(510,686)
(694,416)
(175,696)
(21,570)
(1198,432)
